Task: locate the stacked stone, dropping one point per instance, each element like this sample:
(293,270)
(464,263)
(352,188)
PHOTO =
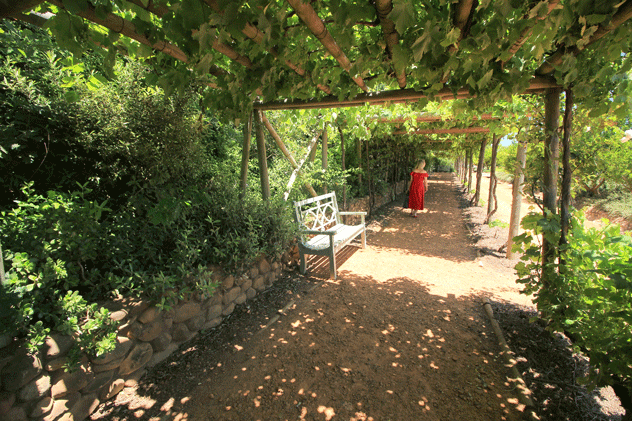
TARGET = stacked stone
(37,387)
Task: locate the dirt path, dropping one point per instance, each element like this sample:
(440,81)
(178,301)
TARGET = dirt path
(400,335)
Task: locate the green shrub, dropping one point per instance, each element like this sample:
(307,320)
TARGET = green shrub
(587,295)
(53,249)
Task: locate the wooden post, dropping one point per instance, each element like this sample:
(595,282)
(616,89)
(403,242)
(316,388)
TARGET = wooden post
(325,150)
(479,172)
(342,153)
(516,201)
(566,158)
(491,204)
(245,156)
(263,162)
(359,148)
(470,159)
(3,281)
(551,167)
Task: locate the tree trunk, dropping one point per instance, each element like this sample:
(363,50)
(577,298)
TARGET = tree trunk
(514,221)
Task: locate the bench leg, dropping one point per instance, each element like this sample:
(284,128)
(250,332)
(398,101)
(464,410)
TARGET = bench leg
(302,259)
(332,264)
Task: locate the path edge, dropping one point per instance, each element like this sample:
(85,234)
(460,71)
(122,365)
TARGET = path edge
(524,393)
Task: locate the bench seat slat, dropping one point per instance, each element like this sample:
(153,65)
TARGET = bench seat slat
(343,233)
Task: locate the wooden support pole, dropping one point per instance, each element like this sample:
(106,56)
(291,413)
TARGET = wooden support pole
(2,275)
(325,151)
(359,151)
(245,156)
(288,155)
(479,172)
(263,162)
(492,204)
(551,167)
(343,159)
(566,174)
(470,159)
(516,201)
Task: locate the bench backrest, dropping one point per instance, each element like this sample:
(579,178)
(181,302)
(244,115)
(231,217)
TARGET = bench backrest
(317,213)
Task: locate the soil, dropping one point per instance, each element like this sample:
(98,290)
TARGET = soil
(400,335)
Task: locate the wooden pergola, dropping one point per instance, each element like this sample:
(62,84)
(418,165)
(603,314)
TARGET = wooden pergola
(260,55)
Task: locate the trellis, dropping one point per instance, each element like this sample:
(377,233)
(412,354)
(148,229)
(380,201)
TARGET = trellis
(319,55)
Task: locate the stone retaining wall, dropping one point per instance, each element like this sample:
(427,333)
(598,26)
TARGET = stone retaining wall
(38,388)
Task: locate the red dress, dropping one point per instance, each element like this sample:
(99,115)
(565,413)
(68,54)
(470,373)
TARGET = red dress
(417,190)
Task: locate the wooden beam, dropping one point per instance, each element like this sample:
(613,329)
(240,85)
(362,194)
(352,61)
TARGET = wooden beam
(623,14)
(253,33)
(462,19)
(217,45)
(446,131)
(383,8)
(309,16)
(526,32)
(431,119)
(127,28)
(537,84)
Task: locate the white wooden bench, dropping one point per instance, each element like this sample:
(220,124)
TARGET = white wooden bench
(322,231)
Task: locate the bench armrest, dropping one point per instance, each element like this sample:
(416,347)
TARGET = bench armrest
(351,213)
(317,232)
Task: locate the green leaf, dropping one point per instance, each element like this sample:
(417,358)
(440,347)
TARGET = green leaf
(403,14)
(75,6)
(485,79)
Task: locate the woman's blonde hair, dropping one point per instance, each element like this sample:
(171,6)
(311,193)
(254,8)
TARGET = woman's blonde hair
(421,164)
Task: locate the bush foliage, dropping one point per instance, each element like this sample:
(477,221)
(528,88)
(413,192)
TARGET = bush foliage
(124,190)
(586,293)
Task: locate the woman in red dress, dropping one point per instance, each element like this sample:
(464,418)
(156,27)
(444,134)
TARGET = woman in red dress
(417,187)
